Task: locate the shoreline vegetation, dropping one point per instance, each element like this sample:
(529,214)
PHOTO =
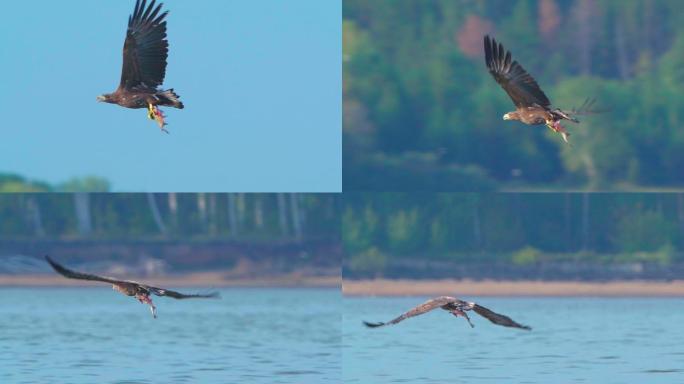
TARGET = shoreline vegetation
(462,288)
(201,279)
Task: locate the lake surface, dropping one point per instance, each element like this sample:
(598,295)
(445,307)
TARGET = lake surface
(93,335)
(578,340)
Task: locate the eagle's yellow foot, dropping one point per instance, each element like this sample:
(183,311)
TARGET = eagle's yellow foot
(156,114)
(150,111)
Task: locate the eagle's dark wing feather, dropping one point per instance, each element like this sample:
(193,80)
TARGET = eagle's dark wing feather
(497,318)
(68,273)
(419,310)
(520,86)
(178,295)
(146,48)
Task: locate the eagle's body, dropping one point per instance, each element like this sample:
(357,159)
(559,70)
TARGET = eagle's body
(457,308)
(144,64)
(140,291)
(143,97)
(532,105)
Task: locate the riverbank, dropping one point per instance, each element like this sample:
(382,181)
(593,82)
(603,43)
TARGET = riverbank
(385,287)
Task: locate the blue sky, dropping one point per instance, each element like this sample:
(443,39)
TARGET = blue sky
(261,81)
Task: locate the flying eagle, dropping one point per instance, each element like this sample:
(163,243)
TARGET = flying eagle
(532,105)
(144,64)
(457,308)
(127,287)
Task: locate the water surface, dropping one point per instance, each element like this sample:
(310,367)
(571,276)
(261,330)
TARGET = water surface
(93,335)
(573,341)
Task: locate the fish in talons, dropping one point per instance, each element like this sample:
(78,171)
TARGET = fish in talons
(558,128)
(156,114)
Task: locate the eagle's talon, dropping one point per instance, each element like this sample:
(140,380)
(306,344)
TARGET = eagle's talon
(156,114)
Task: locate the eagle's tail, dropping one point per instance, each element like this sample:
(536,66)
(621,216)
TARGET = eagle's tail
(170,98)
(565,115)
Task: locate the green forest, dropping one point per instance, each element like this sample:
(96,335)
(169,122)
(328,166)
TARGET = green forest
(170,216)
(421,112)
(12,183)
(514,228)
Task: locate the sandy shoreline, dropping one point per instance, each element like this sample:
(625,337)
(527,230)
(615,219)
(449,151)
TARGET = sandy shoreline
(382,287)
(205,279)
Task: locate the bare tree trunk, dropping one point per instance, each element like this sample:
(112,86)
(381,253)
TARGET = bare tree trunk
(590,170)
(232,214)
(173,210)
(152,202)
(82,211)
(282,214)
(585,221)
(241,209)
(258,213)
(202,209)
(213,225)
(34,216)
(296,216)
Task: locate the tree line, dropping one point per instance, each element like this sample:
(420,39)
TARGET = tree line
(513,228)
(13,183)
(421,112)
(249,217)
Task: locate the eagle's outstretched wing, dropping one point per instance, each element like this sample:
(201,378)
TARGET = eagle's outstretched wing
(178,295)
(419,310)
(68,273)
(146,48)
(520,86)
(498,319)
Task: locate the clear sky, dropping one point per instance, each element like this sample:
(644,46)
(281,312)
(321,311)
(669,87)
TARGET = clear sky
(261,81)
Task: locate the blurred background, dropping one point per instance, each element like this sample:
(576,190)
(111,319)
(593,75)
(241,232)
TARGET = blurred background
(274,259)
(421,112)
(516,236)
(222,238)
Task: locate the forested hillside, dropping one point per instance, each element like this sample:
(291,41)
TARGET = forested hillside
(422,112)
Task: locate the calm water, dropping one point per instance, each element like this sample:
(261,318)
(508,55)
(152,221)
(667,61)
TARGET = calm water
(84,335)
(573,341)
